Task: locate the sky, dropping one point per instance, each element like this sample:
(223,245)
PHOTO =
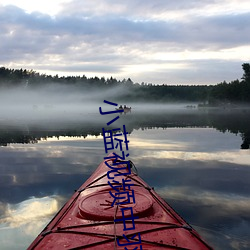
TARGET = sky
(153,41)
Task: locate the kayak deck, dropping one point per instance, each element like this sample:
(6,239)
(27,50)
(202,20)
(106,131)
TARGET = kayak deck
(92,220)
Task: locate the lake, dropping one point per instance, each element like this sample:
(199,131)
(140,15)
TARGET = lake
(198,160)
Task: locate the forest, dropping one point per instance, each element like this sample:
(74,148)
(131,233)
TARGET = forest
(224,93)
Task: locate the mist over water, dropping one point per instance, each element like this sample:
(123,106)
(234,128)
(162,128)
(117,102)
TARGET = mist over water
(61,102)
(45,103)
(59,109)
(192,156)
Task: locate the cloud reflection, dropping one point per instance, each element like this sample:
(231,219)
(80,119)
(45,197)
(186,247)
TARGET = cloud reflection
(28,212)
(198,171)
(222,156)
(197,144)
(22,222)
(228,203)
(221,218)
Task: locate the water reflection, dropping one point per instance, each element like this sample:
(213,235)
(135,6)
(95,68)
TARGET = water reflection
(29,210)
(201,174)
(233,121)
(193,161)
(20,222)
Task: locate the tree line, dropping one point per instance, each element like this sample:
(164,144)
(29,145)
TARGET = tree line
(235,122)
(236,91)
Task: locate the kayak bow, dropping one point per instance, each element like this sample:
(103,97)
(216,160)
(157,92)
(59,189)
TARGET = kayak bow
(92,219)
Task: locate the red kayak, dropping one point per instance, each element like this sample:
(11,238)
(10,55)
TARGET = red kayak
(116,209)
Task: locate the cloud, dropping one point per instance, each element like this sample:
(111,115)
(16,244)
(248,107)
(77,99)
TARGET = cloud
(141,9)
(202,31)
(91,37)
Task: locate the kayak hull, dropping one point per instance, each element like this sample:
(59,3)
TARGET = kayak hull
(92,220)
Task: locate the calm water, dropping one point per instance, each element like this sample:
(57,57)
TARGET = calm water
(193,158)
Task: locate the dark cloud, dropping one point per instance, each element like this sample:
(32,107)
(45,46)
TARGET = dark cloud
(109,39)
(222,30)
(225,31)
(132,8)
